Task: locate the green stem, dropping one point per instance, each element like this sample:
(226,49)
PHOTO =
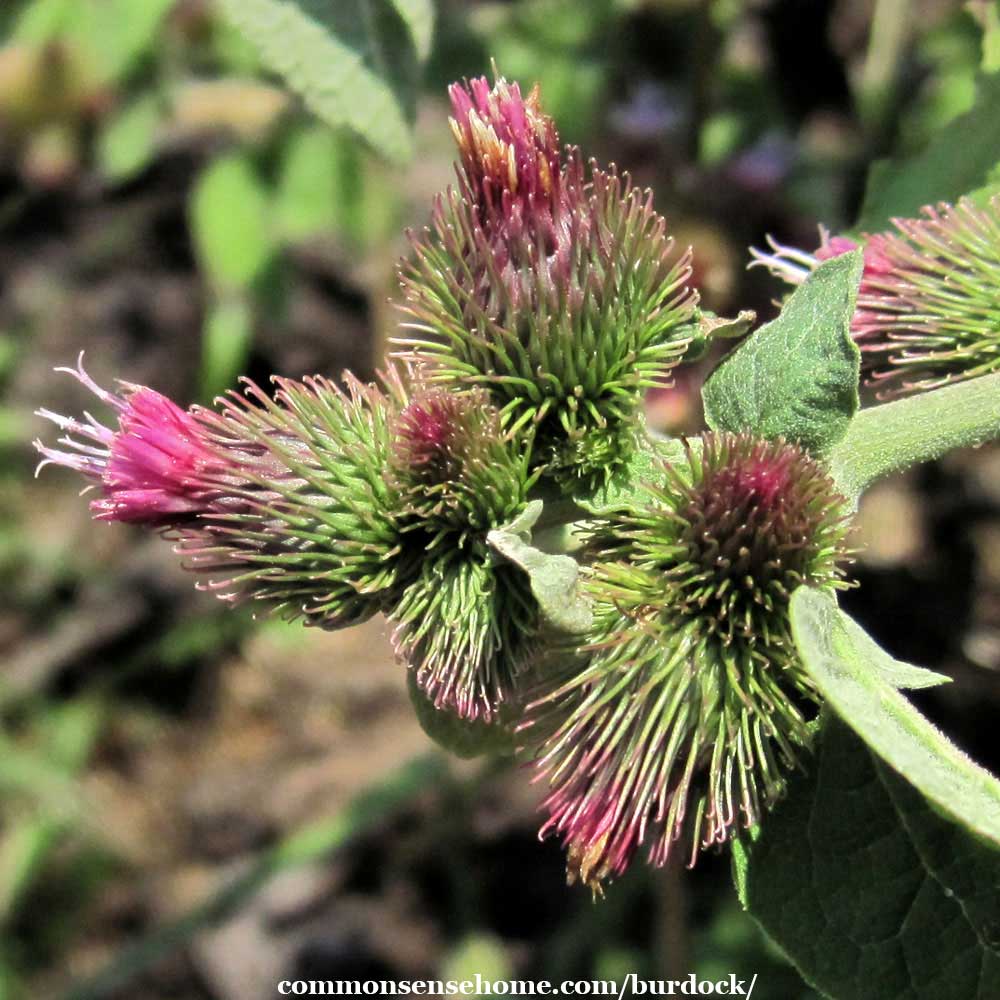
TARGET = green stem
(894,436)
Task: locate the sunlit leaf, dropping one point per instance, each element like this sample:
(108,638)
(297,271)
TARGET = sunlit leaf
(226,340)
(229,222)
(419,18)
(127,142)
(554,578)
(867,889)
(797,376)
(346,79)
(849,677)
(114,34)
(957,160)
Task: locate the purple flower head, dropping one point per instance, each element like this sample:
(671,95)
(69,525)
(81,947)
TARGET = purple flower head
(524,200)
(793,266)
(877,264)
(158,467)
(927,308)
(282,499)
(508,146)
(509,151)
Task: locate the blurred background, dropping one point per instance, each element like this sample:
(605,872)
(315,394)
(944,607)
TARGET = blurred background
(195,804)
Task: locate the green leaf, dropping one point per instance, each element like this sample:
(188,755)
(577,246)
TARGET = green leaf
(797,376)
(463,737)
(554,578)
(855,687)
(41,21)
(126,144)
(851,640)
(418,16)
(333,56)
(70,732)
(477,954)
(956,161)
(711,325)
(867,890)
(989,16)
(707,326)
(25,847)
(115,34)
(328,181)
(307,202)
(225,345)
(229,222)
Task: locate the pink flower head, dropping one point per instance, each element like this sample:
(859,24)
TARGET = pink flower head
(430,433)
(509,149)
(927,310)
(793,266)
(877,263)
(152,470)
(279,498)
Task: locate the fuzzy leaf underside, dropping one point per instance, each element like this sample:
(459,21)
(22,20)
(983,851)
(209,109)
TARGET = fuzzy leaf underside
(841,663)
(870,892)
(554,578)
(959,159)
(797,376)
(344,80)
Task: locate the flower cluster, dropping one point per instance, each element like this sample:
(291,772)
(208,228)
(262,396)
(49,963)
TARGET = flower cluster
(553,287)
(927,309)
(544,299)
(333,504)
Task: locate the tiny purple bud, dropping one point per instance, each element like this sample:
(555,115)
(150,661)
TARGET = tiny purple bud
(432,431)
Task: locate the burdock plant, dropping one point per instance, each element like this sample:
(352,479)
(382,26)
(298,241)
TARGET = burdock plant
(651,624)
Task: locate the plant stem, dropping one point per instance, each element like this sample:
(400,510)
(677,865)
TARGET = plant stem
(894,436)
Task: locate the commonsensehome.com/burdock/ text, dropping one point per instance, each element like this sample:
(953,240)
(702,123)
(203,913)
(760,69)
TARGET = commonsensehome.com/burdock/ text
(632,985)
